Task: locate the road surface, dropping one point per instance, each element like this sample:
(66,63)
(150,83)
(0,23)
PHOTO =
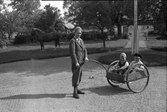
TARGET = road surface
(45,86)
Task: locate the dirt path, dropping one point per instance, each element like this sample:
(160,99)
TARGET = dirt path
(142,43)
(45,86)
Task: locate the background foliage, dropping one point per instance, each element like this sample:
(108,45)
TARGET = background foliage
(99,15)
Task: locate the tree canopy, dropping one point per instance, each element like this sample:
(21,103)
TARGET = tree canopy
(26,14)
(87,14)
(50,17)
(100,14)
(105,14)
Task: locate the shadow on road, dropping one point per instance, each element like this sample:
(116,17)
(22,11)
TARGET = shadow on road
(34,96)
(108,90)
(37,67)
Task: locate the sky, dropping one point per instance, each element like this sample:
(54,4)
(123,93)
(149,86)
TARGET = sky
(59,5)
(54,3)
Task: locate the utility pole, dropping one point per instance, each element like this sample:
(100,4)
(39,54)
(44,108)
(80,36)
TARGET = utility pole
(135,41)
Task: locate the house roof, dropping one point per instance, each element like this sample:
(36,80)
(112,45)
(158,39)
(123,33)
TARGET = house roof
(141,22)
(69,25)
(147,22)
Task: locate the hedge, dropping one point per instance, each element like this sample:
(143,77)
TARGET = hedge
(22,39)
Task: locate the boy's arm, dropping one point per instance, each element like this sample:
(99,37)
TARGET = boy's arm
(140,67)
(85,51)
(125,66)
(115,66)
(72,51)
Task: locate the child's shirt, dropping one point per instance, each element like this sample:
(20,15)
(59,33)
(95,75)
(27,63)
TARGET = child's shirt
(131,66)
(122,66)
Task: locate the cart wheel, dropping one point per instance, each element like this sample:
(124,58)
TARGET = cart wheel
(110,81)
(113,83)
(138,78)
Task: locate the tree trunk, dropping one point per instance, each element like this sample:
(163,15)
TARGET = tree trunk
(119,31)
(103,38)
(9,36)
(104,43)
(2,35)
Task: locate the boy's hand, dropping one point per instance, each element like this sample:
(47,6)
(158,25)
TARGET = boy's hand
(77,64)
(86,59)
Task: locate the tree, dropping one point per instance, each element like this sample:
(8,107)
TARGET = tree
(123,13)
(59,25)
(8,22)
(105,14)
(20,19)
(160,15)
(1,1)
(101,14)
(50,17)
(28,6)
(156,11)
(89,13)
(27,13)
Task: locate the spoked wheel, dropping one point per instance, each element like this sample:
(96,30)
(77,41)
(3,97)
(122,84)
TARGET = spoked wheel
(113,83)
(138,78)
(110,79)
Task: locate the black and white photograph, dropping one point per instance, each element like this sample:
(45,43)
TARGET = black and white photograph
(83,55)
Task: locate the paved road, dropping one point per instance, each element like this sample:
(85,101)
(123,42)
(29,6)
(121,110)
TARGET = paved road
(142,43)
(45,86)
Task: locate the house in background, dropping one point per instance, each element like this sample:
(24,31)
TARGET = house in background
(143,28)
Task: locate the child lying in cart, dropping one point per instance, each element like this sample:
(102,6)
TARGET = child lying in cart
(137,60)
(136,71)
(122,66)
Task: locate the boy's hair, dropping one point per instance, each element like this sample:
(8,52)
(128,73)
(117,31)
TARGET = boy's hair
(123,54)
(138,55)
(77,28)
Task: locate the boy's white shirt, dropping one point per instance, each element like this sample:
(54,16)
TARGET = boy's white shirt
(133,63)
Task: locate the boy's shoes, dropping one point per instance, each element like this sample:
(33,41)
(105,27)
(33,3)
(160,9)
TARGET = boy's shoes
(75,95)
(80,92)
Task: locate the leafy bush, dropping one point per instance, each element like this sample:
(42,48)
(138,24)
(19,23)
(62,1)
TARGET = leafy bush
(70,36)
(153,33)
(22,39)
(64,36)
(89,36)
(99,36)
(125,36)
(4,43)
(163,36)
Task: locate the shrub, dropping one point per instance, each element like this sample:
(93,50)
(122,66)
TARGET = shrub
(99,36)
(4,43)
(22,39)
(70,36)
(163,36)
(64,36)
(125,36)
(153,33)
(86,36)
(89,36)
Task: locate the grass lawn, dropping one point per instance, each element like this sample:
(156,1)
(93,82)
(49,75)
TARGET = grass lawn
(32,51)
(150,57)
(160,45)
(156,55)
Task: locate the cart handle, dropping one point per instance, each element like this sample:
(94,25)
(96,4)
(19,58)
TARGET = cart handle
(92,60)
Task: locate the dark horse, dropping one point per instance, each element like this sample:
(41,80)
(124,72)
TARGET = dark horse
(42,37)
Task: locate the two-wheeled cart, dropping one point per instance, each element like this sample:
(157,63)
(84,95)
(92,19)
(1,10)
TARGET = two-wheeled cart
(136,79)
